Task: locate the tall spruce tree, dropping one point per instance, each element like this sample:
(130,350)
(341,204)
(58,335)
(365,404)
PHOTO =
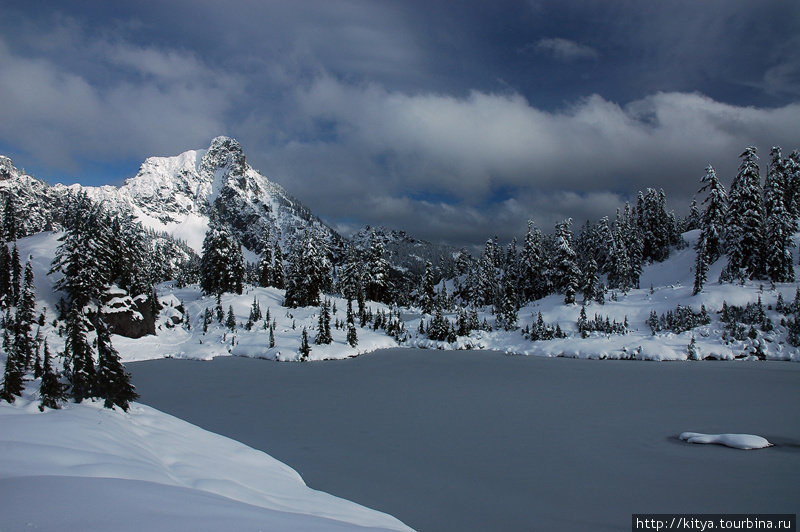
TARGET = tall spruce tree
(566,267)
(376,272)
(5,275)
(79,356)
(428,290)
(324,336)
(113,383)
(14,371)
(16,275)
(309,273)
(710,245)
(745,221)
(25,319)
(52,392)
(222,264)
(780,225)
(532,266)
(352,336)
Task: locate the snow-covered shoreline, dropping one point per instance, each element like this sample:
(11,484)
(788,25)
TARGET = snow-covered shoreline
(85,468)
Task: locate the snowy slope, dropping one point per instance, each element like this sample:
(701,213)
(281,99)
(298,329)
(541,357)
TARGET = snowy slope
(86,468)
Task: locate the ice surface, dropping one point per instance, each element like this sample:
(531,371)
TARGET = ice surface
(468,441)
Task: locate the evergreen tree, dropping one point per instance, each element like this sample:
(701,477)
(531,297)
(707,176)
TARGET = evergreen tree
(488,287)
(84,256)
(305,349)
(709,245)
(310,272)
(701,265)
(509,306)
(113,382)
(780,225)
(6,293)
(590,281)
(271,336)
(230,321)
(352,337)
(278,273)
(78,356)
(654,224)
(376,272)
(693,219)
(14,372)
(712,220)
(16,275)
(25,318)
(10,228)
(566,267)
(428,290)
(52,392)
(743,231)
(324,333)
(222,264)
(533,281)
(350,276)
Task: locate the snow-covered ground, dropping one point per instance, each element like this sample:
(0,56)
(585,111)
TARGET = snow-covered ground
(101,453)
(86,468)
(663,287)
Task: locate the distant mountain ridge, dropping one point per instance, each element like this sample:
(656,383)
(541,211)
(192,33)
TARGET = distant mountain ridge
(177,195)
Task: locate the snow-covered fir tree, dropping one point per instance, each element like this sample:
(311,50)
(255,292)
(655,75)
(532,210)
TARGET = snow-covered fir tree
(222,264)
(25,342)
(14,371)
(324,336)
(567,273)
(352,335)
(52,392)
(309,271)
(78,355)
(113,384)
(5,275)
(779,224)
(745,221)
(376,272)
(532,266)
(428,290)
(710,245)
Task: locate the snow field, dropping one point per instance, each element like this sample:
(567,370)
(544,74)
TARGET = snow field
(145,470)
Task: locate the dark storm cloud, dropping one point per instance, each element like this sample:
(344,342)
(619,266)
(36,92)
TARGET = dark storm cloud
(452,120)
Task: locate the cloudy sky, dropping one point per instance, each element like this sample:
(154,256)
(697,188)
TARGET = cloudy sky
(453,120)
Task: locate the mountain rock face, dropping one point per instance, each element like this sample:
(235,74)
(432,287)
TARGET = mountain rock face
(178,195)
(42,204)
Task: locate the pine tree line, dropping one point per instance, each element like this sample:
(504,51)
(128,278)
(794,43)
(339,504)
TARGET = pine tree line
(752,225)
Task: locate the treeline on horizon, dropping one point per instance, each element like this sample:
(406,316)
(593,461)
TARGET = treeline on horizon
(752,225)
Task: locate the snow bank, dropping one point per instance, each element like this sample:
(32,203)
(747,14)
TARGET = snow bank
(100,469)
(737,441)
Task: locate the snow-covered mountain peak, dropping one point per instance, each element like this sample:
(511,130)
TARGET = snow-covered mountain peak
(176,194)
(7,168)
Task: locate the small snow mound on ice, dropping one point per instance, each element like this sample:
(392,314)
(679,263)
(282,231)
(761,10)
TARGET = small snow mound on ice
(738,441)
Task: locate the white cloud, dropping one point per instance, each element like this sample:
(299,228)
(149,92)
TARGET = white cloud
(164,102)
(582,161)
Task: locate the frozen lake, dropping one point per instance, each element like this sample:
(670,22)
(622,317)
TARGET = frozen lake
(476,441)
